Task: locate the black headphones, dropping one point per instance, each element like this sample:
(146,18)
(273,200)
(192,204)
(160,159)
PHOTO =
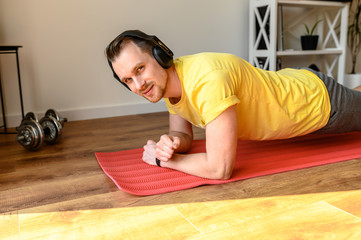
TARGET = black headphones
(161,52)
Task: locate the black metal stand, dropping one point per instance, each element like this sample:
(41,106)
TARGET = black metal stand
(11,50)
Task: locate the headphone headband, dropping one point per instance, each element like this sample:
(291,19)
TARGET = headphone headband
(151,38)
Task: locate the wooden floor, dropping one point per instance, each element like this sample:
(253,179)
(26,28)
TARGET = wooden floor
(60,192)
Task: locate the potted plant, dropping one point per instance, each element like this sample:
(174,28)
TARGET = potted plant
(353,79)
(309,41)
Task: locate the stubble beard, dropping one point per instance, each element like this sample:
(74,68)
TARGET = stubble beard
(160,93)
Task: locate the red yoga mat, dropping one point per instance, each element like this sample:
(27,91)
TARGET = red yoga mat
(254,158)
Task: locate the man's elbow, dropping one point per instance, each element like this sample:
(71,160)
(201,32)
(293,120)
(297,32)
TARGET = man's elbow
(222,173)
(226,175)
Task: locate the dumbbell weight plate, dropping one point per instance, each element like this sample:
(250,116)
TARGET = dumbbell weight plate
(30,135)
(31,116)
(28,117)
(55,114)
(52,129)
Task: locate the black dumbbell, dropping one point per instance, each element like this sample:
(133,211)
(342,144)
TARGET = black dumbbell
(32,132)
(52,124)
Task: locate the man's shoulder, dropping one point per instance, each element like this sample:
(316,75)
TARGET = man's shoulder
(206,56)
(205,62)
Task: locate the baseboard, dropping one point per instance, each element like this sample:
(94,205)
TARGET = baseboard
(95,112)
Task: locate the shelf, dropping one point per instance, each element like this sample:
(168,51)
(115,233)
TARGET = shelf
(305,3)
(272,26)
(309,52)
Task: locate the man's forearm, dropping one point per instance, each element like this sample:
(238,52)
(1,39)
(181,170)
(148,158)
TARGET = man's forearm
(198,165)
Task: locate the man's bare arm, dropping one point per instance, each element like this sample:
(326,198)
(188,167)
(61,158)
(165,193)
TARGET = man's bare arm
(221,146)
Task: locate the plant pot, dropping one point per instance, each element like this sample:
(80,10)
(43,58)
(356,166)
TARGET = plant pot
(309,42)
(352,80)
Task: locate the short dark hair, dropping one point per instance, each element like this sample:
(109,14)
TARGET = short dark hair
(114,48)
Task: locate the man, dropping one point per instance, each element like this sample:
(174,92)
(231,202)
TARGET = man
(230,99)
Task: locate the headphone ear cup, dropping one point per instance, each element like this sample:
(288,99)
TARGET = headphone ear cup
(116,76)
(162,57)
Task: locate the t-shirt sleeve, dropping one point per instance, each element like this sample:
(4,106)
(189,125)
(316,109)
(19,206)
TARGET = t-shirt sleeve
(214,93)
(169,106)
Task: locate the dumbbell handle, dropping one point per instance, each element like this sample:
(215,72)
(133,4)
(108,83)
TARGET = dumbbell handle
(20,138)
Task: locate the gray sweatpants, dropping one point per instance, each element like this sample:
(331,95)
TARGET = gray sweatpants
(345,113)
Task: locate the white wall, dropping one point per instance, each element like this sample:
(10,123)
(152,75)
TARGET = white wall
(62,61)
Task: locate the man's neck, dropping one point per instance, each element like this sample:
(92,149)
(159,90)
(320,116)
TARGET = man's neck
(174,87)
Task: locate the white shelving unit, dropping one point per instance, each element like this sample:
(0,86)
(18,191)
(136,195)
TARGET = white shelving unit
(274,22)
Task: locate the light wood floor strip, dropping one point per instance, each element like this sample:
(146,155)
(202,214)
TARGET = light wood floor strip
(357,218)
(9,226)
(188,221)
(306,216)
(137,223)
(349,203)
(313,221)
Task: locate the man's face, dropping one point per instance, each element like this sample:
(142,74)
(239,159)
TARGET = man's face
(141,72)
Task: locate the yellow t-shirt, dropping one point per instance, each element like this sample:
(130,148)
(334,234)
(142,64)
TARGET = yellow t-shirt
(270,105)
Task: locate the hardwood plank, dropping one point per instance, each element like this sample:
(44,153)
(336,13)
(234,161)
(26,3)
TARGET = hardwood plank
(50,192)
(126,223)
(211,216)
(313,221)
(349,203)
(9,226)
